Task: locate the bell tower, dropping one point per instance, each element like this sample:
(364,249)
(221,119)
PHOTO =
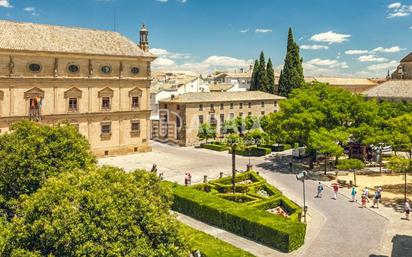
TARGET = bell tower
(144,42)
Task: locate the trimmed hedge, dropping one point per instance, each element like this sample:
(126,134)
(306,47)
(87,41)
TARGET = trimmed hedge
(254,151)
(210,246)
(281,233)
(215,147)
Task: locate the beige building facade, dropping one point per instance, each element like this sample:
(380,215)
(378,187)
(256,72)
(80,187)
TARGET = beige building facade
(181,116)
(97,80)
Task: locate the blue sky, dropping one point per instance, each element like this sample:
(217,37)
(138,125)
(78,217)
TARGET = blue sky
(337,37)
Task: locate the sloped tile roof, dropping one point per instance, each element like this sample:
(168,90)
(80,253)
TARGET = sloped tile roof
(399,89)
(203,97)
(59,39)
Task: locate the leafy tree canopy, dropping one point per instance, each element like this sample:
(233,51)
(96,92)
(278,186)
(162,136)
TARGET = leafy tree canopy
(30,153)
(350,164)
(99,212)
(206,131)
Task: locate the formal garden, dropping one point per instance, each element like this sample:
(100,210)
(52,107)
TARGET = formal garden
(249,207)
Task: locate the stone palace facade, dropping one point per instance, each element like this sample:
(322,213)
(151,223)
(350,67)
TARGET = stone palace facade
(97,80)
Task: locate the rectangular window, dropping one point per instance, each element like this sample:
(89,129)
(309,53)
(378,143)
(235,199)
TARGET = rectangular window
(222,106)
(240,114)
(232,115)
(212,106)
(200,107)
(73,105)
(240,105)
(263,113)
(135,102)
(178,107)
(263,104)
(231,105)
(222,118)
(249,114)
(106,103)
(135,128)
(106,128)
(212,119)
(201,119)
(249,105)
(276,104)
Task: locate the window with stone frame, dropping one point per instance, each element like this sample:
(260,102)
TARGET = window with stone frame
(262,104)
(135,102)
(105,130)
(105,103)
(73,105)
(222,106)
(135,128)
(249,105)
(201,119)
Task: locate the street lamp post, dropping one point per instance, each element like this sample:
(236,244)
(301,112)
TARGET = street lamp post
(302,176)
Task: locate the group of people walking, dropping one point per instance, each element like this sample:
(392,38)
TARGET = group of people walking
(364,197)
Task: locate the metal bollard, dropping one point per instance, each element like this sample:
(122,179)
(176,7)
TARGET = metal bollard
(205,179)
(221,175)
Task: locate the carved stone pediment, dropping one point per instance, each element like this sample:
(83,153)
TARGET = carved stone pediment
(135,92)
(73,92)
(106,92)
(34,92)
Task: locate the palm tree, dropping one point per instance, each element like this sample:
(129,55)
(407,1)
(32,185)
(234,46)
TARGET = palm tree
(233,140)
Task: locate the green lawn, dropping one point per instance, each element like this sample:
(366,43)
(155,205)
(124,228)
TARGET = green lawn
(210,246)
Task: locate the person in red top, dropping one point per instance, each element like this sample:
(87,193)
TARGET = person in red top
(364,200)
(335,190)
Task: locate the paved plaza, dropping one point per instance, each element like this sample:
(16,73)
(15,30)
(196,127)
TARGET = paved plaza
(335,227)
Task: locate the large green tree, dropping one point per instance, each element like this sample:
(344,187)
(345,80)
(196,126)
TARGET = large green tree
(98,212)
(270,73)
(262,79)
(206,132)
(292,72)
(254,79)
(30,153)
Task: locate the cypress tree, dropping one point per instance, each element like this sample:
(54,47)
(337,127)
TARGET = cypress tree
(261,73)
(270,73)
(292,73)
(253,81)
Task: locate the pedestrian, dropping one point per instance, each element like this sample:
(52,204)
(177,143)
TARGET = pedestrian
(335,190)
(320,190)
(189,177)
(366,193)
(186,179)
(363,200)
(379,196)
(375,199)
(353,193)
(407,209)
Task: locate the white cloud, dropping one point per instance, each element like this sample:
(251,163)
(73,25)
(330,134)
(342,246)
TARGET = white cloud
(393,49)
(164,53)
(314,47)
(319,66)
(396,10)
(5,3)
(410,27)
(396,5)
(383,66)
(330,37)
(244,30)
(371,58)
(175,61)
(32,10)
(263,30)
(163,62)
(356,52)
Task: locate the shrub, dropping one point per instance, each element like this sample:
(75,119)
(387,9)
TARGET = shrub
(215,147)
(249,220)
(254,151)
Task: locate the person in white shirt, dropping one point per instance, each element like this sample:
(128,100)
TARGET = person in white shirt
(407,210)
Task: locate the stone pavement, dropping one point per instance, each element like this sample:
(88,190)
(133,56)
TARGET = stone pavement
(337,228)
